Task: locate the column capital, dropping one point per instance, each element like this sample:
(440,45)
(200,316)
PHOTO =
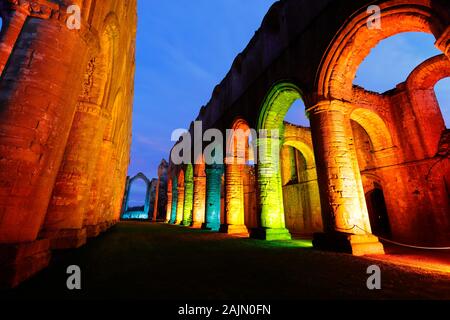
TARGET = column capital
(443,42)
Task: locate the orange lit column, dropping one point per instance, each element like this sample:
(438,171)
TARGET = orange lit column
(93,214)
(234,199)
(155,205)
(345,217)
(169,200)
(180,203)
(198,217)
(66,213)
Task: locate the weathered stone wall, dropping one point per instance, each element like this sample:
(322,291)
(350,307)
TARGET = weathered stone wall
(65,125)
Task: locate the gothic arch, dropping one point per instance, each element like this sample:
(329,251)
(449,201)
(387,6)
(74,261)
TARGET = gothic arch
(375,127)
(354,41)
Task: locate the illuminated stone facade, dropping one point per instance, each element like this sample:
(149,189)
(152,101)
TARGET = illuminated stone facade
(371,165)
(66,105)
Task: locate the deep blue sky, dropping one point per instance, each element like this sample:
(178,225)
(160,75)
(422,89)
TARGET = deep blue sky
(185,48)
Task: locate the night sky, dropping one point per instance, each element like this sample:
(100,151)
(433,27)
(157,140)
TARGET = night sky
(185,48)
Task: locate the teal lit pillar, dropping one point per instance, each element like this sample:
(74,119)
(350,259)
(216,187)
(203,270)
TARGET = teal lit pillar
(173,216)
(213,197)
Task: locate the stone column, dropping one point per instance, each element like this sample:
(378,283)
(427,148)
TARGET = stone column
(169,201)
(272,220)
(180,204)
(344,212)
(213,197)
(173,214)
(188,202)
(198,210)
(40,86)
(66,212)
(234,199)
(155,204)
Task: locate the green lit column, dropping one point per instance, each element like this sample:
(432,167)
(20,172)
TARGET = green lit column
(188,202)
(270,191)
(213,192)
(173,216)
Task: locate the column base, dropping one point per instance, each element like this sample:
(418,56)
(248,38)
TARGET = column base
(270,234)
(235,230)
(19,262)
(66,239)
(355,244)
(211,227)
(186,223)
(92,231)
(196,225)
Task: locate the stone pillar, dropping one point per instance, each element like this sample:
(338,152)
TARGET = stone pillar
(234,199)
(169,201)
(40,85)
(271,205)
(188,202)
(155,204)
(173,214)
(180,203)
(93,217)
(213,197)
(66,212)
(198,210)
(344,212)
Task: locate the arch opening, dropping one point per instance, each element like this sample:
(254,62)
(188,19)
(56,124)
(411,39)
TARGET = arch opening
(137,199)
(287,176)
(442,90)
(388,78)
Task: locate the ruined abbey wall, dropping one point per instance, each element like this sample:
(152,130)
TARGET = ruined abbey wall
(65,126)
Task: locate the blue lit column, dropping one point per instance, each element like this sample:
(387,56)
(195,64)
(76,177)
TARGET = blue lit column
(213,191)
(173,216)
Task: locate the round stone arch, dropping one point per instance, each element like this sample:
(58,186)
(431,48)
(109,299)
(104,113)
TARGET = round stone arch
(421,88)
(354,40)
(376,128)
(139,176)
(270,132)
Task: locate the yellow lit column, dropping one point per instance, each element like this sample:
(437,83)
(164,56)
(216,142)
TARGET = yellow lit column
(198,210)
(345,217)
(234,199)
(180,204)
(169,200)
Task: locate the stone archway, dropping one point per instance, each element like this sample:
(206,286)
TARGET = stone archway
(299,179)
(270,131)
(235,168)
(130,213)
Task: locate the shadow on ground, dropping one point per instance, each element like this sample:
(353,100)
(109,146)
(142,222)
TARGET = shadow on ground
(158,261)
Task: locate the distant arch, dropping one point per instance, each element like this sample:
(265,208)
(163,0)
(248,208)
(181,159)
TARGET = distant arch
(136,213)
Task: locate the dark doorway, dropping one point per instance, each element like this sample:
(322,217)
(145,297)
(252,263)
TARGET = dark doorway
(379,220)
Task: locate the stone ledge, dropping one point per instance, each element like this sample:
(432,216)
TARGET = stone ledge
(270,234)
(357,245)
(235,230)
(19,262)
(67,239)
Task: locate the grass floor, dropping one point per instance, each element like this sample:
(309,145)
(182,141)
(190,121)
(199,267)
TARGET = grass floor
(158,261)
